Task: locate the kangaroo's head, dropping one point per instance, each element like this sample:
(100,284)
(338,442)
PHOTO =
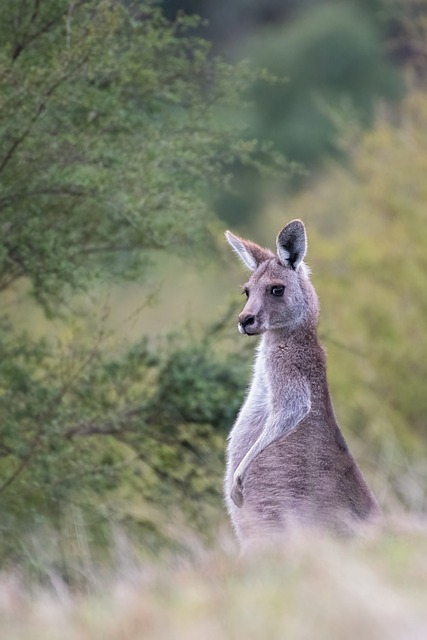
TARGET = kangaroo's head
(279,293)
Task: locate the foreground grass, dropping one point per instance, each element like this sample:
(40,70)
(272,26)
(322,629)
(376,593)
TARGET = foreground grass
(314,587)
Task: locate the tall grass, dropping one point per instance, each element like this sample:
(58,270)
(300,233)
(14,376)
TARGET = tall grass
(313,587)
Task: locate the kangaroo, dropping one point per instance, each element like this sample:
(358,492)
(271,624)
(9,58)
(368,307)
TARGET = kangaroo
(287,461)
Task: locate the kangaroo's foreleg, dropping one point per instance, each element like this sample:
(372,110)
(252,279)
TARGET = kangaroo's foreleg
(287,410)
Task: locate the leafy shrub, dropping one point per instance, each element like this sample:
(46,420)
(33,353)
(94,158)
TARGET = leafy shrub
(124,440)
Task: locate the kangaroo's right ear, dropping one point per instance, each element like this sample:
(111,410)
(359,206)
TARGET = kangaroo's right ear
(250,253)
(292,244)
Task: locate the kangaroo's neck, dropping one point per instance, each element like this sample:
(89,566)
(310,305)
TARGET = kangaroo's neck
(282,350)
(303,336)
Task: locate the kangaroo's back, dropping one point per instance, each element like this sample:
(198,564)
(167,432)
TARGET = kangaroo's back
(287,461)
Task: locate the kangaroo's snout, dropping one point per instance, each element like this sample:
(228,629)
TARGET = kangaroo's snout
(247,323)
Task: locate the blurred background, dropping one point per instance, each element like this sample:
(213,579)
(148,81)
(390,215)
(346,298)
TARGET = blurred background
(132,135)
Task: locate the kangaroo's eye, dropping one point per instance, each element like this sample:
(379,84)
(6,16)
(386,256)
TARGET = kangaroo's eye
(246,292)
(277,290)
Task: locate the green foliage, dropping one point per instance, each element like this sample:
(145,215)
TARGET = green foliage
(195,386)
(110,139)
(113,130)
(330,66)
(119,439)
(332,57)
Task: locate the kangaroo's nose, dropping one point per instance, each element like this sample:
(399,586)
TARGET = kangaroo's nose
(246,320)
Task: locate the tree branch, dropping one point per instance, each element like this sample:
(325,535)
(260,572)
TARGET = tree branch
(29,38)
(41,107)
(109,427)
(53,191)
(44,417)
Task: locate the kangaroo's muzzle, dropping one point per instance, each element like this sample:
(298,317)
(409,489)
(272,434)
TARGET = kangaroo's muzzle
(247,324)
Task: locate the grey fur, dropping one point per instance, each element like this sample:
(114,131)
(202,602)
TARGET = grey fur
(287,460)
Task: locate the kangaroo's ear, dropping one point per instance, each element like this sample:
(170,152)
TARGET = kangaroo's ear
(250,253)
(292,244)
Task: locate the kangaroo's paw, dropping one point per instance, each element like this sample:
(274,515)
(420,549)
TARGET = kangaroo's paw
(237,491)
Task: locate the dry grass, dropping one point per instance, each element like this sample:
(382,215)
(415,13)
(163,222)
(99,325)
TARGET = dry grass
(313,587)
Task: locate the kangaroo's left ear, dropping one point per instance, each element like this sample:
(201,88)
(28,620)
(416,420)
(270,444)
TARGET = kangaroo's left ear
(251,254)
(292,244)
